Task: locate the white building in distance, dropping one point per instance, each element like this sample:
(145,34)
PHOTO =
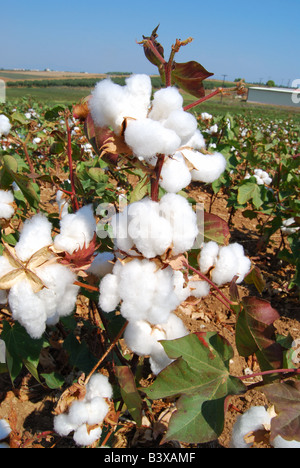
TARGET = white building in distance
(276,96)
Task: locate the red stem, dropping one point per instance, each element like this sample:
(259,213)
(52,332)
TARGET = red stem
(156,176)
(205,98)
(70,160)
(210,282)
(275,371)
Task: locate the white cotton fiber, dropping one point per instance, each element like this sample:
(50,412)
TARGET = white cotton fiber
(60,294)
(109,293)
(147,293)
(165,101)
(98,386)
(110,103)
(280,442)
(5,429)
(180,214)
(35,234)
(207,167)
(63,204)
(6,208)
(102,264)
(27,308)
(147,138)
(252,420)
(5,125)
(83,436)
(143,339)
(76,230)
(198,288)
(196,141)
(183,123)
(175,174)
(208,256)
(62,425)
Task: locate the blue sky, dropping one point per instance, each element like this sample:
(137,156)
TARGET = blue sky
(256,40)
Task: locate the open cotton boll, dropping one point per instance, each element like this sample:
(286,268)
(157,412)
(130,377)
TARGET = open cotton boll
(6,208)
(183,123)
(109,297)
(27,308)
(5,429)
(110,103)
(35,234)
(83,436)
(76,230)
(98,386)
(119,225)
(138,337)
(207,167)
(5,125)
(175,174)
(231,261)
(252,420)
(147,138)
(165,100)
(208,256)
(198,288)
(62,424)
(63,205)
(196,141)
(177,210)
(150,233)
(280,442)
(60,294)
(102,264)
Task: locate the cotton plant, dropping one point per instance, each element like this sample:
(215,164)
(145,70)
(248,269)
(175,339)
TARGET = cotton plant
(84,417)
(37,286)
(155,127)
(7,208)
(261,176)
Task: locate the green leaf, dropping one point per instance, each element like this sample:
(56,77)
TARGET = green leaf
(129,392)
(53,380)
(201,379)
(21,349)
(249,191)
(80,356)
(215,229)
(255,277)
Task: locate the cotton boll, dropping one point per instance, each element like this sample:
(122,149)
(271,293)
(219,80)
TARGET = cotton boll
(98,386)
(109,297)
(102,264)
(147,138)
(83,436)
(196,141)
(5,125)
(138,337)
(35,234)
(199,288)
(5,429)
(280,442)
(119,225)
(76,230)
(181,291)
(63,205)
(174,328)
(175,174)
(183,220)
(252,420)
(106,104)
(226,266)
(183,123)
(6,200)
(139,90)
(208,256)
(207,167)
(151,234)
(165,101)
(62,425)
(97,409)
(27,308)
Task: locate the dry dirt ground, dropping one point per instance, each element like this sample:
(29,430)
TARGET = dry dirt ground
(30,406)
